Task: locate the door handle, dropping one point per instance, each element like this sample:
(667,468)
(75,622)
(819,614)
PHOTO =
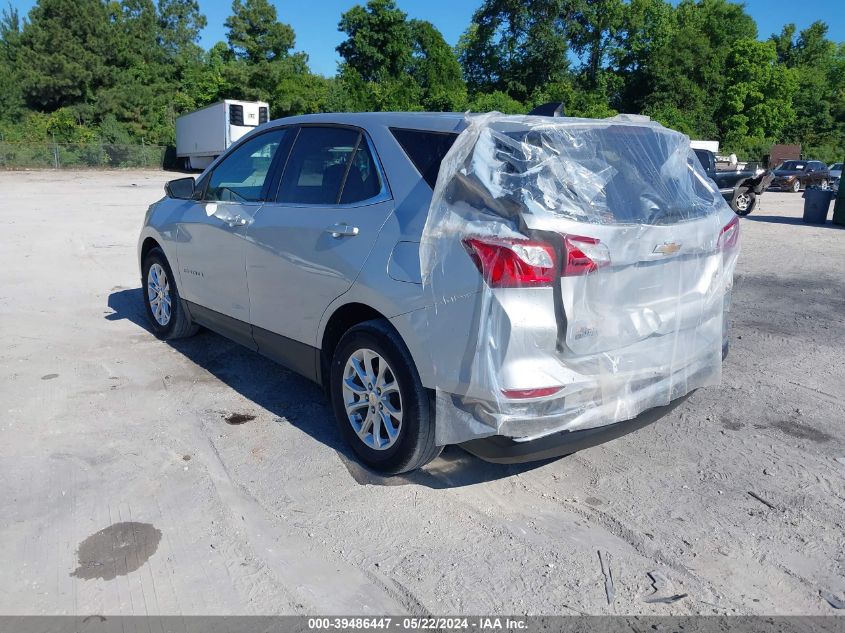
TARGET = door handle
(342,229)
(236,221)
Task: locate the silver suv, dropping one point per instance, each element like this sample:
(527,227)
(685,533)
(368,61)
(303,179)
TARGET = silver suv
(560,278)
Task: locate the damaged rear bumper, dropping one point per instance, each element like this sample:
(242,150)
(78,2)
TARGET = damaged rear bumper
(505,450)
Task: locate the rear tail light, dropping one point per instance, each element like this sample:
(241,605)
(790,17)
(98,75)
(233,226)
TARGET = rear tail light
(729,234)
(530,393)
(584,255)
(510,263)
(514,263)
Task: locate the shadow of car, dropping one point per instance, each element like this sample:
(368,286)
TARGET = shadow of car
(270,386)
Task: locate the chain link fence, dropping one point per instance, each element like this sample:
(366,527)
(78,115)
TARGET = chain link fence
(79,155)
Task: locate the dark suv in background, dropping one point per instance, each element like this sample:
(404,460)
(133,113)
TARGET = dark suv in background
(795,175)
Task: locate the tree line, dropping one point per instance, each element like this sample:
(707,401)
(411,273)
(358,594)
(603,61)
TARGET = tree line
(121,71)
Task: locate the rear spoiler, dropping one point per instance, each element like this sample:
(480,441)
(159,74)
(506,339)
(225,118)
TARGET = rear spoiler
(554,108)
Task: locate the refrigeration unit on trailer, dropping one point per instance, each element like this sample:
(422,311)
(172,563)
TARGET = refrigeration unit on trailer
(203,135)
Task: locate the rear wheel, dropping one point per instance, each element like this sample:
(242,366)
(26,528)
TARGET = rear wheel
(161,299)
(825,185)
(744,202)
(381,407)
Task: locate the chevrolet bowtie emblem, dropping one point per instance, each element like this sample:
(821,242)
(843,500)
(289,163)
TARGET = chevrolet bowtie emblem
(667,248)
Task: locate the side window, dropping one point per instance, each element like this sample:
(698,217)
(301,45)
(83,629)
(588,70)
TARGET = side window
(362,181)
(329,165)
(425,149)
(241,175)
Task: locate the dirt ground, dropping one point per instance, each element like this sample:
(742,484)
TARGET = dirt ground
(126,488)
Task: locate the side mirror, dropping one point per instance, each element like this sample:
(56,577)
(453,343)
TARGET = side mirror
(181,188)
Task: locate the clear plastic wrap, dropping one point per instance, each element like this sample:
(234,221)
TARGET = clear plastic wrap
(579,272)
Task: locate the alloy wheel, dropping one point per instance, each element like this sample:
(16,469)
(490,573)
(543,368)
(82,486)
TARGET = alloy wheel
(158,293)
(372,399)
(742,202)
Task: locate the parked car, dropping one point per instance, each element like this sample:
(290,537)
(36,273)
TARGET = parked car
(302,242)
(739,187)
(795,175)
(835,175)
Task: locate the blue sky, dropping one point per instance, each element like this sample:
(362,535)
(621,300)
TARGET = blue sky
(315,22)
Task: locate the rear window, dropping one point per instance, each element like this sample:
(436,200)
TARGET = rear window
(615,174)
(426,150)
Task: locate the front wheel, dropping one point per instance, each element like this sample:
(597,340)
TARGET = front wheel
(161,299)
(744,202)
(381,407)
(825,185)
(796,186)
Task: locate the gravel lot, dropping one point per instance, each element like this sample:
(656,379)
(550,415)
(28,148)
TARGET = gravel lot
(125,490)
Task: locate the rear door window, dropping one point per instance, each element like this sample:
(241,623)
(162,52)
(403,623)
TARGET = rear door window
(329,166)
(425,149)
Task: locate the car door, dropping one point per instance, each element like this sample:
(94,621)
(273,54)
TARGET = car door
(305,248)
(211,231)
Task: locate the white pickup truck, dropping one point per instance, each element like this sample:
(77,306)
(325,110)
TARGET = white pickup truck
(203,135)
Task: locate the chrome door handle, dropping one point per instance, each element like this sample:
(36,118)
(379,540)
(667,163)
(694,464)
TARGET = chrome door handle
(236,221)
(342,229)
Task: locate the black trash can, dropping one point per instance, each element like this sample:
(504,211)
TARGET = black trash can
(816,205)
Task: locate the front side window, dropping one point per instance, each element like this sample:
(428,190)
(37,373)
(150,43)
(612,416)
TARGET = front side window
(328,166)
(241,176)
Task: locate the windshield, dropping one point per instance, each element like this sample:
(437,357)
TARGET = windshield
(836,166)
(793,165)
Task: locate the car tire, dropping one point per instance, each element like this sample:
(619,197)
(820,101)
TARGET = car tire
(744,202)
(162,303)
(825,185)
(370,356)
(796,186)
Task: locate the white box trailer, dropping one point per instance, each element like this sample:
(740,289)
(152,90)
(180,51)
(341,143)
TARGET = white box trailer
(712,146)
(203,135)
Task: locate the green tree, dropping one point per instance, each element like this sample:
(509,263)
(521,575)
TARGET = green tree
(436,69)
(515,46)
(818,63)
(59,75)
(593,28)
(687,73)
(758,95)
(647,26)
(11,99)
(391,63)
(180,23)
(377,44)
(255,33)
(496,101)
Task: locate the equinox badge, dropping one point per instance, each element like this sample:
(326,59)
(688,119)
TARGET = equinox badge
(667,248)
